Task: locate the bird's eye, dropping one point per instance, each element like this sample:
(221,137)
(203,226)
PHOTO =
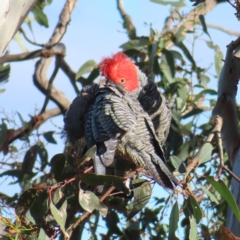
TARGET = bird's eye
(122,80)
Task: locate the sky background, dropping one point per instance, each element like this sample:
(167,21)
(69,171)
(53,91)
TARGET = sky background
(96,31)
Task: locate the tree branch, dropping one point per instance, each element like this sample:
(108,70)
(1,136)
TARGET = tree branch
(40,76)
(30,55)
(69,72)
(127,21)
(50,83)
(29,40)
(223,29)
(33,124)
(189,21)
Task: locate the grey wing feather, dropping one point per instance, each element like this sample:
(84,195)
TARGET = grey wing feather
(156,105)
(75,117)
(110,119)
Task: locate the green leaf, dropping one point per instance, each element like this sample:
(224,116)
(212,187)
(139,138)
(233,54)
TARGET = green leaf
(40,16)
(197,212)
(217,58)
(13,173)
(4,73)
(180,34)
(193,229)
(202,20)
(167,66)
(92,76)
(25,201)
(173,222)
(49,137)
(57,163)
(178,164)
(193,112)
(29,160)
(218,61)
(185,51)
(170,61)
(95,180)
(178,55)
(212,197)
(204,93)
(137,44)
(89,202)
(174,4)
(87,156)
(21,118)
(42,235)
(39,205)
(86,68)
(19,39)
(226,195)
(43,154)
(60,216)
(2,90)
(205,153)
(3,132)
(142,192)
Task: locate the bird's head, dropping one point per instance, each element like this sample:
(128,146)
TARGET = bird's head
(120,70)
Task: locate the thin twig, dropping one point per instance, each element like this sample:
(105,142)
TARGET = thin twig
(231,173)
(50,83)
(69,72)
(29,40)
(127,21)
(234,33)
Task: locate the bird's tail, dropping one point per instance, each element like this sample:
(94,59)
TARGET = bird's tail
(160,172)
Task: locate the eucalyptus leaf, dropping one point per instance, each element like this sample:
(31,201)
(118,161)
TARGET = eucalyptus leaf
(173,222)
(193,229)
(60,216)
(212,197)
(205,153)
(226,194)
(86,68)
(89,202)
(174,4)
(142,192)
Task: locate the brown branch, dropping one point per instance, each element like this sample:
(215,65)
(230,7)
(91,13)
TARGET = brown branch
(50,83)
(191,19)
(169,20)
(30,55)
(230,32)
(64,19)
(40,76)
(29,40)
(69,72)
(127,21)
(231,173)
(101,199)
(33,124)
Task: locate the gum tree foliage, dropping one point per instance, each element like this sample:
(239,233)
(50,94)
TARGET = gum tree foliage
(57,196)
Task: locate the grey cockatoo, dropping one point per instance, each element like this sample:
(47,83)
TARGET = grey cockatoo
(114,119)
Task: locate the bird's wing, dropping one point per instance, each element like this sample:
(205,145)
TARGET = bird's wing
(74,119)
(111,118)
(159,112)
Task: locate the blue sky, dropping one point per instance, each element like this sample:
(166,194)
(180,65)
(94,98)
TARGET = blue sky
(96,31)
